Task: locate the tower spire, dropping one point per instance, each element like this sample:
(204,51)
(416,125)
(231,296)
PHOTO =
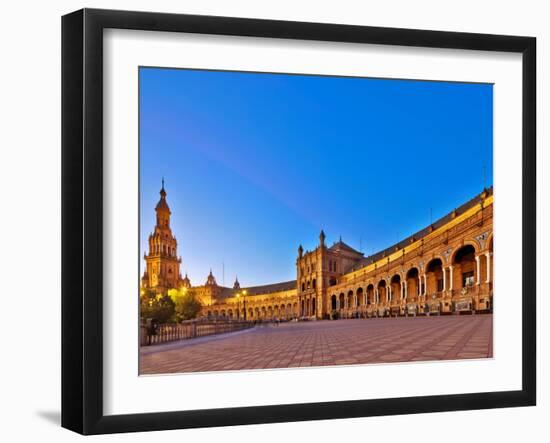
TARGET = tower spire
(162,190)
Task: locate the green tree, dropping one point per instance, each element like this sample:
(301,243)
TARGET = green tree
(158,306)
(187,305)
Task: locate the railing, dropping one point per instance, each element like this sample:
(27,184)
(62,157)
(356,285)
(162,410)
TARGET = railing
(182,331)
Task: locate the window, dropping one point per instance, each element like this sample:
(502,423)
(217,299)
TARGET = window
(468,279)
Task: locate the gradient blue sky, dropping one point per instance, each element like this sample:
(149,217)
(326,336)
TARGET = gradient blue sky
(256,164)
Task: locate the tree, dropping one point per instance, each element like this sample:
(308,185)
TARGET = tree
(187,306)
(158,306)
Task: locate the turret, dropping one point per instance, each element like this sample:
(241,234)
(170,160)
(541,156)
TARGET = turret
(162,209)
(186,283)
(236,285)
(211,280)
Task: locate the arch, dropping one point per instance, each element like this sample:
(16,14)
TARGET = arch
(360,297)
(342,300)
(395,284)
(434,276)
(333,302)
(313,284)
(313,306)
(349,298)
(382,291)
(370,294)
(412,288)
(465,267)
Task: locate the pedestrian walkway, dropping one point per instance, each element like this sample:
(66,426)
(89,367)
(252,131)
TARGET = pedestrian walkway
(327,343)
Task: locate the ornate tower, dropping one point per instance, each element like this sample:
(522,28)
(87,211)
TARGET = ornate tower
(236,285)
(162,262)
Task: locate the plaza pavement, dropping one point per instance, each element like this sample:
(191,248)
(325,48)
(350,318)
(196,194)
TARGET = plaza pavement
(327,343)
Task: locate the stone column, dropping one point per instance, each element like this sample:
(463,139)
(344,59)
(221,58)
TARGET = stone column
(444,279)
(406,292)
(419,285)
(402,289)
(450,278)
(488,259)
(425,285)
(478,276)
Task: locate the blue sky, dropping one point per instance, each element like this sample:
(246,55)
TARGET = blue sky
(256,164)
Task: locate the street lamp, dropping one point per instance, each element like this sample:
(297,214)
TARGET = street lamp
(244,303)
(238,305)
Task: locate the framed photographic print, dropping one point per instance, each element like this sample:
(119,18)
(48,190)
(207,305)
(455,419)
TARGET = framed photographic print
(269,221)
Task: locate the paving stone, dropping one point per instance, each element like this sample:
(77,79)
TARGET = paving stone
(328,343)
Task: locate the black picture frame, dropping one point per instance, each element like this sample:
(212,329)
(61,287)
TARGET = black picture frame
(82,218)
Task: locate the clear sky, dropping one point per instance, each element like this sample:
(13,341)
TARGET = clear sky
(256,164)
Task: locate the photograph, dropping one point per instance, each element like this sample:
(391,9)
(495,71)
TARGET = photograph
(289,220)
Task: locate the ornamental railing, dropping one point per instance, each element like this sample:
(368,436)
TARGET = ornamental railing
(151,334)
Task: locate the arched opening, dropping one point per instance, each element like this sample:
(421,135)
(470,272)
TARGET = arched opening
(313,284)
(342,301)
(333,302)
(412,288)
(360,297)
(312,306)
(382,292)
(395,288)
(464,264)
(434,277)
(351,304)
(370,294)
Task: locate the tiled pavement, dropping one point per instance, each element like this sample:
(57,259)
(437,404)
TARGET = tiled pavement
(324,343)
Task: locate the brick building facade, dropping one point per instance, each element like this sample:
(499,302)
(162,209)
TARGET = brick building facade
(444,268)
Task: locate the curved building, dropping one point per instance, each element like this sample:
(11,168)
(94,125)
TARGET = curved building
(444,268)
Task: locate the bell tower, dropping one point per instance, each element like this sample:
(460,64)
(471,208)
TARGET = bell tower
(162,262)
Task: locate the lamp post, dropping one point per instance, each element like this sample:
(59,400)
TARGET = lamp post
(244,303)
(238,305)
